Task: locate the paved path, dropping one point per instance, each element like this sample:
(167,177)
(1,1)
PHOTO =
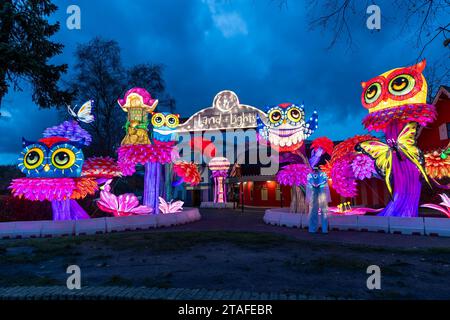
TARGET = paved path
(252,220)
(126,293)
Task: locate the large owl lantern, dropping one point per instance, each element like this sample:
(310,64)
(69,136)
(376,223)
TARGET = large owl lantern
(285,127)
(52,157)
(397,87)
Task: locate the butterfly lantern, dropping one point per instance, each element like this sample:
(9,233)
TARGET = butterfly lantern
(403,146)
(84,113)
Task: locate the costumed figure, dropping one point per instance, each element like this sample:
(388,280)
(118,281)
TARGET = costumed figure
(318,197)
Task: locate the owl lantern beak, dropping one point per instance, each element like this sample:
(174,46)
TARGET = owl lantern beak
(46,168)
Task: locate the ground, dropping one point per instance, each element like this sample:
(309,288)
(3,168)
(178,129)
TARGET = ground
(229,250)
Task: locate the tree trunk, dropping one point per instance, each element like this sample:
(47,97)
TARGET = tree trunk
(405,181)
(298,204)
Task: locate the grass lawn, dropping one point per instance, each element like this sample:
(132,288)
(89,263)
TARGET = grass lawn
(250,261)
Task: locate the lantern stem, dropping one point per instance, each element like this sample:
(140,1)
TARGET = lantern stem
(152,178)
(68,210)
(405,180)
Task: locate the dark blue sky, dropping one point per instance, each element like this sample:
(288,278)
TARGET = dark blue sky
(265,54)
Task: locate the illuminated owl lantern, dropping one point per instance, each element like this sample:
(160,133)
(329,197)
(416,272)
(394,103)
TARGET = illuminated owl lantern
(394,88)
(51,157)
(285,126)
(164,125)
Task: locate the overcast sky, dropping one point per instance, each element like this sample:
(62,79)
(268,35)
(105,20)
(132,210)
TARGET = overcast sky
(265,54)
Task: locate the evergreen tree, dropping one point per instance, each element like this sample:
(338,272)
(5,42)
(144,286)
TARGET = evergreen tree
(25,50)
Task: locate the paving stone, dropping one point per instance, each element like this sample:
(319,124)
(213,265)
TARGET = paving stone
(246,295)
(192,294)
(125,293)
(283,296)
(227,295)
(200,294)
(210,294)
(264,296)
(159,294)
(184,295)
(255,296)
(292,296)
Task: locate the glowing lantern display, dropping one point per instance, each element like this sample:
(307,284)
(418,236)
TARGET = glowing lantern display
(396,101)
(219,167)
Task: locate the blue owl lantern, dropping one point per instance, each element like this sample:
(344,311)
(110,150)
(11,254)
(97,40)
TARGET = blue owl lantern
(164,126)
(58,155)
(52,157)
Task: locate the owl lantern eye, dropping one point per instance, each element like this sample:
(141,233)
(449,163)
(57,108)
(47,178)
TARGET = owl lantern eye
(33,158)
(401,85)
(63,158)
(172,121)
(372,93)
(294,115)
(275,116)
(158,120)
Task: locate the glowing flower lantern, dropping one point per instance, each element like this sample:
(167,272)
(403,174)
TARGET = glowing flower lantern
(437,163)
(219,167)
(347,165)
(294,174)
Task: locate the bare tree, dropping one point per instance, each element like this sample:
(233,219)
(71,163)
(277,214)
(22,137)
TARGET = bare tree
(100,75)
(421,16)
(436,74)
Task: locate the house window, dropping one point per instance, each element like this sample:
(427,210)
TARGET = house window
(264,194)
(444,131)
(278,193)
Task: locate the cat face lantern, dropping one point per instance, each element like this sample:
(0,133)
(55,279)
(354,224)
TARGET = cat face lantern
(285,127)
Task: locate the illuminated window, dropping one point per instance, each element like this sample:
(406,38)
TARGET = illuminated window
(278,193)
(264,194)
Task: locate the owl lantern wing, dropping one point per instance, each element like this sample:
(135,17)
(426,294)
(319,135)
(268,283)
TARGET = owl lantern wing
(381,153)
(406,143)
(262,126)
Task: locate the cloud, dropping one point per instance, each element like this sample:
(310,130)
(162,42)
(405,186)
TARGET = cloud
(5,115)
(230,24)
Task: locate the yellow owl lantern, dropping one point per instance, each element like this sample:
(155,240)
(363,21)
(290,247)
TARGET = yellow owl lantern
(394,88)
